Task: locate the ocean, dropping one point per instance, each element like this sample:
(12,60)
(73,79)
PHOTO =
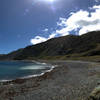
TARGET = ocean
(10,70)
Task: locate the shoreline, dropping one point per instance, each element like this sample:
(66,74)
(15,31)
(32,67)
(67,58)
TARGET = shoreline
(44,62)
(70,80)
(29,76)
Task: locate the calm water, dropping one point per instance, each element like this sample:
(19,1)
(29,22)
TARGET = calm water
(18,69)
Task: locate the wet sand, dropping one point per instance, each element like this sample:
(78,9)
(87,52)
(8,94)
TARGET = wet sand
(70,80)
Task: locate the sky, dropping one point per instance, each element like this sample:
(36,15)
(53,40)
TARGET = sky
(28,22)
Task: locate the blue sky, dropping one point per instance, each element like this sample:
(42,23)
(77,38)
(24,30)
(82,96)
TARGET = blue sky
(27,22)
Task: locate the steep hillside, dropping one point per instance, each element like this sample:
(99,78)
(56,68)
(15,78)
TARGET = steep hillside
(85,45)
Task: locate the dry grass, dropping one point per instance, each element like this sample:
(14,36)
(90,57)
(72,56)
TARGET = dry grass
(95,95)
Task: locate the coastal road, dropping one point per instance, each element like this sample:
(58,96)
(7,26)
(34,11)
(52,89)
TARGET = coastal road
(70,80)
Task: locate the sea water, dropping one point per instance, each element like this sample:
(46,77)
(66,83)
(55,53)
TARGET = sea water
(10,70)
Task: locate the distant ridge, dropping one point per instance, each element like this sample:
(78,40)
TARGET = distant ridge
(66,46)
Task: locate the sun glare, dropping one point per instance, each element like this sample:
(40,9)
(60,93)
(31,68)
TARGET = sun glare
(51,1)
(47,1)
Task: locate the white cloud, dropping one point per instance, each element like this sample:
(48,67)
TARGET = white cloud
(81,21)
(52,35)
(62,32)
(61,22)
(38,39)
(96,7)
(45,30)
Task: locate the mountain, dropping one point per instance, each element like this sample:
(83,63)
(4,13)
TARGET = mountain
(66,46)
